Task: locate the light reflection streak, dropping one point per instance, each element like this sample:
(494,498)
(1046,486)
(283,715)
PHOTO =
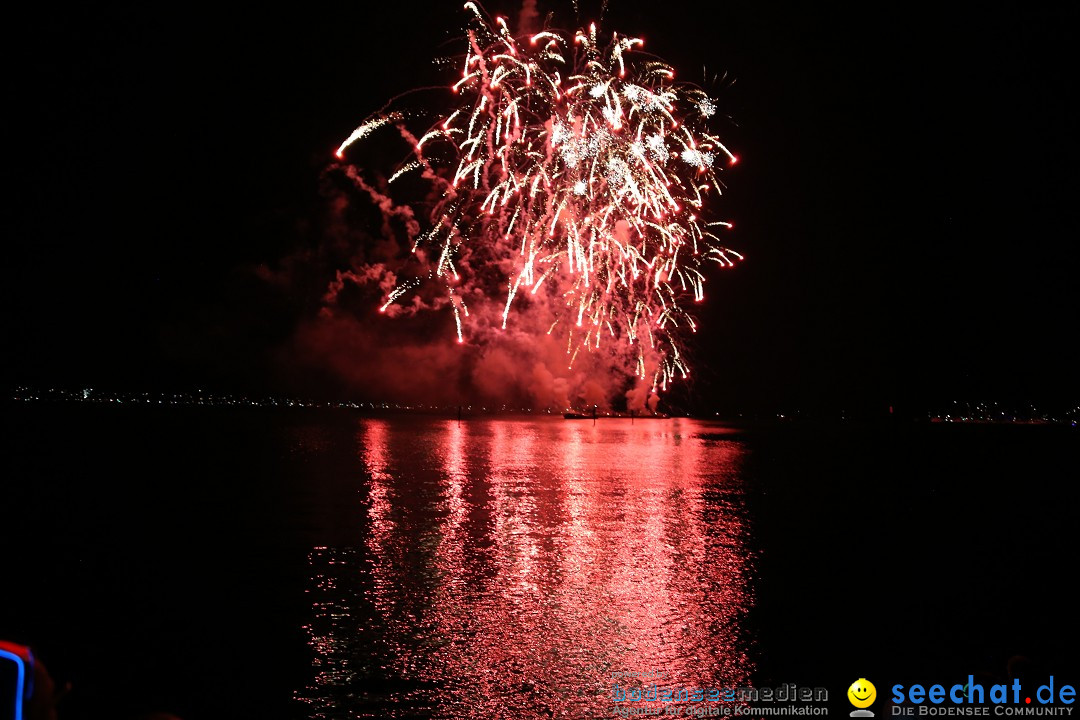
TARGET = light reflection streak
(510,566)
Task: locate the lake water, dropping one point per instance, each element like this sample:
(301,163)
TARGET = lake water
(215,562)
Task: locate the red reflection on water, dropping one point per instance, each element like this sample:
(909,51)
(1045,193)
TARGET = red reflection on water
(512,566)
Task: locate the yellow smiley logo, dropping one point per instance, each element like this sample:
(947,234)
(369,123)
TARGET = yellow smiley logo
(862,693)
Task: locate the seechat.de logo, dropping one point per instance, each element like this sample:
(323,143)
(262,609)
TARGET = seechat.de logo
(1002,699)
(862,694)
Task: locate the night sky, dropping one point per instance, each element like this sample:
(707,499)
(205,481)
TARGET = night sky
(905,197)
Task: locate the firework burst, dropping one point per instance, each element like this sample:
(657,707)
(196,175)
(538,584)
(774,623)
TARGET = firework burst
(577,166)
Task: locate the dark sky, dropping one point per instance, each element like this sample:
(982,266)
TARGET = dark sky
(906,195)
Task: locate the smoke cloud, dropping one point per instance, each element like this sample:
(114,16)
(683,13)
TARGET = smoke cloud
(358,252)
(527,18)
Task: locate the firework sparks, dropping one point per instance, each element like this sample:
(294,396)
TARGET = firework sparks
(579,161)
(364,130)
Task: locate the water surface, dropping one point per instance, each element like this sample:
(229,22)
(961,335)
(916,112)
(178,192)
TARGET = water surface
(508,567)
(225,563)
